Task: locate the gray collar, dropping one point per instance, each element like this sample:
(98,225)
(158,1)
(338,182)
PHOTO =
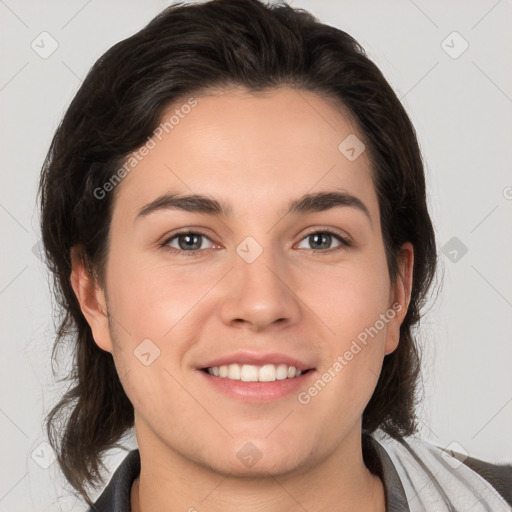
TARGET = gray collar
(378,462)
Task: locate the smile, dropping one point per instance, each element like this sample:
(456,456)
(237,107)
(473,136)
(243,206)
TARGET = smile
(252,373)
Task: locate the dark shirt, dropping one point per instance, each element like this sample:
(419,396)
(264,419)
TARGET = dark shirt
(116,496)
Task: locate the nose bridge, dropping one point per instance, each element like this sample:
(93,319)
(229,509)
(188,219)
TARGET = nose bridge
(259,294)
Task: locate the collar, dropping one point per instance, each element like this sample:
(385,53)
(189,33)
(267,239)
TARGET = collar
(116,496)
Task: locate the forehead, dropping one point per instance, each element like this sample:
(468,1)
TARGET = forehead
(249,148)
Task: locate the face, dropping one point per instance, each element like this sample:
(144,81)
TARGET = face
(272,279)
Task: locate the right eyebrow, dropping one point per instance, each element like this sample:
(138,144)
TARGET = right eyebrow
(191,203)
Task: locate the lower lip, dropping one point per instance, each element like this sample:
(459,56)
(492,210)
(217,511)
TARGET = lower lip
(257,392)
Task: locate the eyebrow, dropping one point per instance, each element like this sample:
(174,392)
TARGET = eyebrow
(199,203)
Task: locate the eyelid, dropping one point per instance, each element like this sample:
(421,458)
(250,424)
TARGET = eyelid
(344,239)
(342,235)
(185,231)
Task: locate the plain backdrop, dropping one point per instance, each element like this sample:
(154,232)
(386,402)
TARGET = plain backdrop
(449,62)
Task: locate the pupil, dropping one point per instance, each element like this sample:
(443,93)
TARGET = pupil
(323,238)
(191,242)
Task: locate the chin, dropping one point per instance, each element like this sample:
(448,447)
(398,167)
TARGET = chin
(256,457)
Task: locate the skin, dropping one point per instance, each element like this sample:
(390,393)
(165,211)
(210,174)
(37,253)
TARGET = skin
(256,153)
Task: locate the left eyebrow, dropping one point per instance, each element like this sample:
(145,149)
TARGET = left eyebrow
(322,201)
(199,203)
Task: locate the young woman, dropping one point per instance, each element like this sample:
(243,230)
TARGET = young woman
(234,211)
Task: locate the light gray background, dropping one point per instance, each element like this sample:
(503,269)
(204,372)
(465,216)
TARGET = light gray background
(461,108)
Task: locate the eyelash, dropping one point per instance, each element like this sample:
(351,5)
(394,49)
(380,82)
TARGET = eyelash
(345,243)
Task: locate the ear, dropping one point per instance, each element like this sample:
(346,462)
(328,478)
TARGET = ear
(400,295)
(91,298)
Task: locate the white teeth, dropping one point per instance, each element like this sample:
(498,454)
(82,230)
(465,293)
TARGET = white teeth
(267,373)
(252,373)
(282,372)
(234,372)
(249,373)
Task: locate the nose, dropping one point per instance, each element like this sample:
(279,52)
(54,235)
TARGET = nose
(260,294)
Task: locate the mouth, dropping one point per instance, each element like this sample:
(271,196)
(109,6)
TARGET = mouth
(254,384)
(254,373)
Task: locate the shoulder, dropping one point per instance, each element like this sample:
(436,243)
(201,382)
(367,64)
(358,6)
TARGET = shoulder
(432,476)
(116,495)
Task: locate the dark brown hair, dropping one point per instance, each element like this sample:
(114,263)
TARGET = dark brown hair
(186,50)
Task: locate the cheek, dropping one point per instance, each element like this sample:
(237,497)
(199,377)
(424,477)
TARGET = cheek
(150,310)
(153,300)
(350,297)
(351,301)
(158,313)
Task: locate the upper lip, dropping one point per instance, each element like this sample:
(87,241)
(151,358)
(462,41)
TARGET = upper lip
(257,359)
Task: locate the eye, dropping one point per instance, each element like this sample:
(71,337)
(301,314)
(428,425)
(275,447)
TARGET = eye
(322,241)
(189,241)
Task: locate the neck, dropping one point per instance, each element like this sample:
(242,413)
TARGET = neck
(340,482)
